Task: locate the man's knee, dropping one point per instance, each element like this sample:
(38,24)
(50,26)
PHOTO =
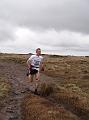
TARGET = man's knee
(37,76)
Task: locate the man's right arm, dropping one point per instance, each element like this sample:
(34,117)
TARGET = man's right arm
(29,63)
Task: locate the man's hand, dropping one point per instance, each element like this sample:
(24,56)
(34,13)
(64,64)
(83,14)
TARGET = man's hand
(28,72)
(42,68)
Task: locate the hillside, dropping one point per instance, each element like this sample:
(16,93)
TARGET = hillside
(62,95)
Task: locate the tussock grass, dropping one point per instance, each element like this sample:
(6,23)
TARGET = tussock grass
(38,108)
(46,89)
(73,90)
(5,89)
(21,59)
(74,98)
(70,95)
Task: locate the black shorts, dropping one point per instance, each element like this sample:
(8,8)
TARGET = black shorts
(33,71)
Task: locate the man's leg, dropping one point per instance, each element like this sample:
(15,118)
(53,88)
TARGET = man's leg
(37,78)
(31,85)
(31,78)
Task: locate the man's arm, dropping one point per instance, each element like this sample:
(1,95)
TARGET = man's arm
(42,65)
(29,63)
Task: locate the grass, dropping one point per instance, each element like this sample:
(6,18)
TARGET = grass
(69,95)
(5,89)
(38,108)
(70,89)
(17,58)
(72,86)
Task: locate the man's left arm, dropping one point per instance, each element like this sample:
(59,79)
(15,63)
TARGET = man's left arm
(42,65)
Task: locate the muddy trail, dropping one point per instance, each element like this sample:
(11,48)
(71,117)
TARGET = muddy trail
(16,74)
(11,110)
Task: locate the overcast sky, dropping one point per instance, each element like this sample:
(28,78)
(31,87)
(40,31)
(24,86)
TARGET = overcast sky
(57,26)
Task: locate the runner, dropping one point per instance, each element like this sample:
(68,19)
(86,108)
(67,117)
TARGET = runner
(35,65)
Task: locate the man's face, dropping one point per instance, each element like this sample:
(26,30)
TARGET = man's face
(38,51)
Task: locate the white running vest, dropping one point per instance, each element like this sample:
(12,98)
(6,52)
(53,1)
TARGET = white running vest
(35,61)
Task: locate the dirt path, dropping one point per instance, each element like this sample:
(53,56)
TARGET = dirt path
(16,74)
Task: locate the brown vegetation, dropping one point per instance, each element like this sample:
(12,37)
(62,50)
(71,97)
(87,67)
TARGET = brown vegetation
(38,108)
(71,88)
(5,89)
(66,97)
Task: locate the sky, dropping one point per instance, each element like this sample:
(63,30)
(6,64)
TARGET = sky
(56,26)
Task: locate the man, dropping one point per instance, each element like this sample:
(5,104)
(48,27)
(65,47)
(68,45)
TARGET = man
(35,65)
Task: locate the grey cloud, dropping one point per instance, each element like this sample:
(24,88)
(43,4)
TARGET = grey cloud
(55,42)
(47,20)
(6,31)
(62,15)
